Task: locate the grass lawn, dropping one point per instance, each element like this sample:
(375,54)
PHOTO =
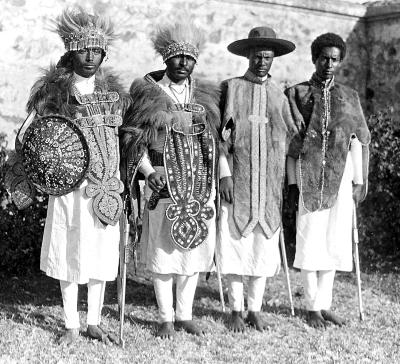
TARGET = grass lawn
(31,323)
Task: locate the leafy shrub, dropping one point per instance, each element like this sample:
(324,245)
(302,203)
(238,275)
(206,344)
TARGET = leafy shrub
(20,231)
(379,214)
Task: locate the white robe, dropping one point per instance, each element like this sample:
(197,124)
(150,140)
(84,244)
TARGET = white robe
(323,239)
(76,246)
(158,251)
(161,255)
(253,255)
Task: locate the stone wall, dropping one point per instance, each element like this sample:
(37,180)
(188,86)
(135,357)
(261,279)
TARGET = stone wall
(383,34)
(27,44)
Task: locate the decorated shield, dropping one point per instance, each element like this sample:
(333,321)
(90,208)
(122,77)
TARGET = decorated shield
(55,154)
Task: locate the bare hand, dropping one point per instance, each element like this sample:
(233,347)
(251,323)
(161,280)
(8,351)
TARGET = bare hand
(226,189)
(156,181)
(358,192)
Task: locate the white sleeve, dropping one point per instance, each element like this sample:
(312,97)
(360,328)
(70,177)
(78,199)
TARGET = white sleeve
(145,166)
(356,158)
(291,170)
(224,170)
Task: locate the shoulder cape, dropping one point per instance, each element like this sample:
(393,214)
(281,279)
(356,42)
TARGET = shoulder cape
(149,111)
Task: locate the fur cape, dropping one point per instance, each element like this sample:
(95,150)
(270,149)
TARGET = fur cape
(51,93)
(149,112)
(347,119)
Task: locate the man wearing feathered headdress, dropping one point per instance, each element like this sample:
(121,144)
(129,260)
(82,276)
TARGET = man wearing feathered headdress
(169,135)
(81,236)
(327,169)
(256,129)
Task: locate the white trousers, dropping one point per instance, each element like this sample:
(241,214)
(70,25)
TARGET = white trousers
(256,287)
(318,287)
(185,290)
(69,291)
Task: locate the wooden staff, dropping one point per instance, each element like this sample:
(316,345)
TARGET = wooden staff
(286,268)
(357,261)
(216,258)
(121,280)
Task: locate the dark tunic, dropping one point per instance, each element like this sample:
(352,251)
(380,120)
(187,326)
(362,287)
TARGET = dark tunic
(328,116)
(257,128)
(98,115)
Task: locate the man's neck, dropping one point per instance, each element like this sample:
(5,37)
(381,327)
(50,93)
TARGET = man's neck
(322,82)
(256,79)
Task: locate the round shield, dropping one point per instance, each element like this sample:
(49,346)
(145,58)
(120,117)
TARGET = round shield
(55,154)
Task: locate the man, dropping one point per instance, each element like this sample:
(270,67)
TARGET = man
(328,175)
(169,134)
(257,127)
(81,236)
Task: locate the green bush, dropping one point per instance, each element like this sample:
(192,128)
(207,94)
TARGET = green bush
(20,231)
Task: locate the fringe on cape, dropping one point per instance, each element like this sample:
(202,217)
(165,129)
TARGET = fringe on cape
(149,112)
(50,94)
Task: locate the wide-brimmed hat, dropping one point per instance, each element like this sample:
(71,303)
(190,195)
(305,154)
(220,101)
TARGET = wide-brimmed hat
(261,37)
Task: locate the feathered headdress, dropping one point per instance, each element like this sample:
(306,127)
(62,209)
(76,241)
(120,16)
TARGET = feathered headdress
(79,30)
(182,38)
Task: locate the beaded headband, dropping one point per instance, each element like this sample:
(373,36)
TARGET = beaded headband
(182,38)
(79,29)
(87,37)
(180,48)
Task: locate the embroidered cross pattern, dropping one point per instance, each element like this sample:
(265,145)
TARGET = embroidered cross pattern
(189,163)
(99,129)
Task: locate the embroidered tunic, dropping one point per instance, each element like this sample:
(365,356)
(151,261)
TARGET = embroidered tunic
(257,127)
(81,235)
(179,232)
(329,116)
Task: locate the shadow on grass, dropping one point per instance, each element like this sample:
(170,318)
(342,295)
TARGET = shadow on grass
(32,300)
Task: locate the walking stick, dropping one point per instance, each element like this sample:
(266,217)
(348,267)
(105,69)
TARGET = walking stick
(357,261)
(123,261)
(285,265)
(216,259)
(221,292)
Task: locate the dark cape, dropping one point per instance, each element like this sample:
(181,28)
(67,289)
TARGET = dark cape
(150,126)
(257,128)
(98,116)
(320,176)
(150,111)
(51,93)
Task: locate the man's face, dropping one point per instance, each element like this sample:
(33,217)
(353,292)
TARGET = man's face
(260,61)
(328,62)
(87,61)
(180,67)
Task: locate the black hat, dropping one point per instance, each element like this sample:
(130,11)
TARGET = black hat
(261,37)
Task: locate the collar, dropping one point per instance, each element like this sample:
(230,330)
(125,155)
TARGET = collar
(253,78)
(83,84)
(167,82)
(321,83)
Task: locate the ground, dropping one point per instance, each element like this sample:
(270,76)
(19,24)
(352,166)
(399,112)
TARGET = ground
(31,323)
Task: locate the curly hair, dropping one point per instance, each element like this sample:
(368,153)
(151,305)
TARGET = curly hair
(327,40)
(65,61)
